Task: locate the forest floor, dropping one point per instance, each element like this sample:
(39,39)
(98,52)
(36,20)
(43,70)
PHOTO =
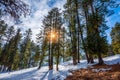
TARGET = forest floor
(82,71)
(97,72)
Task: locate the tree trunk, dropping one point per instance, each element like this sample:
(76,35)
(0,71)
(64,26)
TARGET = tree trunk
(74,50)
(41,61)
(49,58)
(57,62)
(74,39)
(63,54)
(57,58)
(87,57)
(79,29)
(100,60)
(39,65)
(92,8)
(74,58)
(91,60)
(9,68)
(86,17)
(51,66)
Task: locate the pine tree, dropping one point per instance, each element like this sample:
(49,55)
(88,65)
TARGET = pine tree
(43,52)
(96,26)
(15,65)
(14,49)
(3,28)
(70,15)
(25,49)
(115,35)
(10,33)
(15,8)
(52,24)
(37,55)
(85,10)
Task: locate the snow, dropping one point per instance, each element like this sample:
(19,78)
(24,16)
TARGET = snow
(112,59)
(64,70)
(101,70)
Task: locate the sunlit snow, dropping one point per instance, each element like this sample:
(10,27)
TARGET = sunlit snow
(45,74)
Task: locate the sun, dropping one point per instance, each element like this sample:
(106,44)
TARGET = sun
(52,35)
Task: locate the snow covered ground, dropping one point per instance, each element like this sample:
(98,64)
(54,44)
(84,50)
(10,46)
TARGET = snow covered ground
(45,74)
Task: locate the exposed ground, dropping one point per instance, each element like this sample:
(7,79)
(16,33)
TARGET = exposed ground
(97,72)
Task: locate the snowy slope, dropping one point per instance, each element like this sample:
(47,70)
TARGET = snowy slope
(44,74)
(112,59)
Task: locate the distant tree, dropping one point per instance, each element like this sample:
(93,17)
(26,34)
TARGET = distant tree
(9,33)
(26,49)
(9,51)
(3,28)
(63,43)
(14,51)
(37,55)
(15,64)
(115,35)
(44,48)
(32,51)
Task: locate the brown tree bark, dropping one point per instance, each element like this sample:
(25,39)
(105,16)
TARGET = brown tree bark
(86,17)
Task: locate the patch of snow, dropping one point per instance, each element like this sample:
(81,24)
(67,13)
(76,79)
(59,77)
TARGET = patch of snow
(64,70)
(101,70)
(112,59)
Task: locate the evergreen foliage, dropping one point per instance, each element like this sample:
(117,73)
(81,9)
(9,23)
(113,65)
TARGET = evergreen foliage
(84,31)
(115,35)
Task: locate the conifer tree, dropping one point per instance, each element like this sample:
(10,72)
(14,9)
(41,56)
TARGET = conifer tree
(52,24)
(15,8)
(115,35)
(25,49)
(14,49)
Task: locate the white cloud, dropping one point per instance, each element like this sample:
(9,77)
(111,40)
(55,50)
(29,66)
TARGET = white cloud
(39,8)
(60,4)
(8,20)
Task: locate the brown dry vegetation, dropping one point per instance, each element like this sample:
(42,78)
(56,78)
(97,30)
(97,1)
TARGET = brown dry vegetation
(112,73)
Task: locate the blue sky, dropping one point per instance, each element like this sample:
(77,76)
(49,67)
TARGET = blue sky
(51,3)
(40,8)
(111,22)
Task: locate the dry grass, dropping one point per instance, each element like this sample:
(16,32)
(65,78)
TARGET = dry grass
(112,73)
